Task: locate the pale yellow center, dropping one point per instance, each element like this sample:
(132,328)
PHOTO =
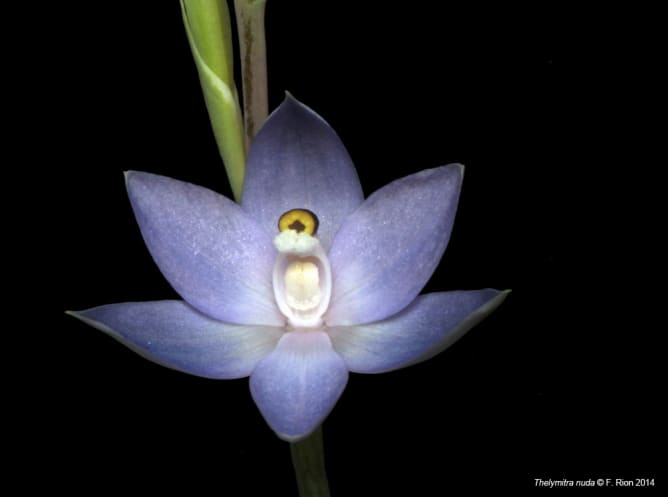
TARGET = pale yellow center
(302,285)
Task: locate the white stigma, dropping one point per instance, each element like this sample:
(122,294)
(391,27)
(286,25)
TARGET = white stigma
(302,285)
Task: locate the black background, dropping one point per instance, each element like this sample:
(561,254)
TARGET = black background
(545,388)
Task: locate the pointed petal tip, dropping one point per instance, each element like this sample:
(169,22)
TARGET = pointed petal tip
(502,295)
(496,298)
(74,314)
(455,167)
(448,170)
(290,102)
(78,315)
(458,166)
(131,174)
(290,99)
(81,316)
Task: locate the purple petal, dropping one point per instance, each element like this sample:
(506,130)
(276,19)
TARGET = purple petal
(212,252)
(428,326)
(297,385)
(298,161)
(387,249)
(173,334)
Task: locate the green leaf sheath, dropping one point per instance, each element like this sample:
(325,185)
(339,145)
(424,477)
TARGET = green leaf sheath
(207,24)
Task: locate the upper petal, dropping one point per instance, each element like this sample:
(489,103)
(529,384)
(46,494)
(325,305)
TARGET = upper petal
(298,384)
(175,335)
(212,252)
(298,161)
(425,328)
(387,249)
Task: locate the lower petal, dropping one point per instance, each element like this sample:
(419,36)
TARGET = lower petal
(428,326)
(297,385)
(173,334)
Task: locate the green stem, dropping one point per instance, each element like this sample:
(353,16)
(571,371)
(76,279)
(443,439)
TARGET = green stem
(308,458)
(250,24)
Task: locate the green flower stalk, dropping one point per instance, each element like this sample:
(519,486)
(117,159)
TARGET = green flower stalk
(308,459)
(209,31)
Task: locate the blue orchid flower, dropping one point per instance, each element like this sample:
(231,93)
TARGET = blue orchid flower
(304,281)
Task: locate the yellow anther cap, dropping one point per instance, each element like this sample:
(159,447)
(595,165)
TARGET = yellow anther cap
(300,220)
